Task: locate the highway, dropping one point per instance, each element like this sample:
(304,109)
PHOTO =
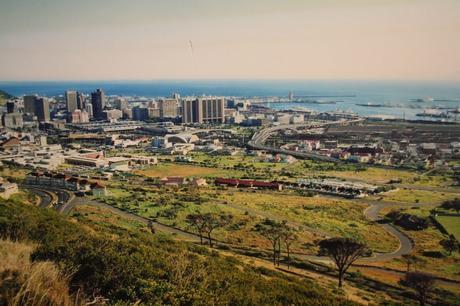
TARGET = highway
(258,139)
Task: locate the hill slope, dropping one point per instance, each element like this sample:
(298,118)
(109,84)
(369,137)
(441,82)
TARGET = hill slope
(129,266)
(4,96)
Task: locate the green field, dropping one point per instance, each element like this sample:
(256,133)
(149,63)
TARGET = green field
(451,224)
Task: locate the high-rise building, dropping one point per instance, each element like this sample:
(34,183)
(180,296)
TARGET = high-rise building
(11,107)
(42,109)
(89,110)
(140,113)
(98,102)
(121,103)
(13,120)
(81,101)
(79,116)
(168,108)
(29,104)
(203,110)
(71,101)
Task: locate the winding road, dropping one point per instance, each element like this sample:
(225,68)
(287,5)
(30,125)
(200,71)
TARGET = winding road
(68,201)
(371,212)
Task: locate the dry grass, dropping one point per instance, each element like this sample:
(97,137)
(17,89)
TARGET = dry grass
(163,170)
(25,283)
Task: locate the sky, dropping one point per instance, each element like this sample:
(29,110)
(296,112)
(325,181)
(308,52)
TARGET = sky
(223,39)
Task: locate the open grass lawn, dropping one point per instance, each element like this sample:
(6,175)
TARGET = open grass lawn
(426,243)
(417,196)
(375,175)
(169,169)
(451,224)
(101,216)
(334,217)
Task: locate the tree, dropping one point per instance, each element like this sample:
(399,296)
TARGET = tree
(288,236)
(450,244)
(421,283)
(214,221)
(151,226)
(272,230)
(344,252)
(197,221)
(452,204)
(409,260)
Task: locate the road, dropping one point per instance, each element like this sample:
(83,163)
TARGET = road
(371,213)
(258,139)
(69,201)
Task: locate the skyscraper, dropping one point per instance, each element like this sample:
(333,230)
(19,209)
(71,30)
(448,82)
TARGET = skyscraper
(203,110)
(42,109)
(121,103)
(71,100)
(81,101)
(98,102)
(11,107)
(168,108)
(29,104)
(89,109)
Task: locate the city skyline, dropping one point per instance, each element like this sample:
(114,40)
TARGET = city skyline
(149,40)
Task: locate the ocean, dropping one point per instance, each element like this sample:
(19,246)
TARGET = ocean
(397,97)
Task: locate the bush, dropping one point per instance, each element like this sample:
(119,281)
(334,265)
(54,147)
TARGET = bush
(130,266)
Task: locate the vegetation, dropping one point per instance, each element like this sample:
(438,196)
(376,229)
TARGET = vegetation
(452,205)
(408,221)
(23,282)
(422,283)
(450,244)
(134,266)
(343,252)
(4,96)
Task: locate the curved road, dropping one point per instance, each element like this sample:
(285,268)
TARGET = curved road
(69,201)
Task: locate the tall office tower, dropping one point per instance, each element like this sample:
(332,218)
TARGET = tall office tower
(13,120)
(121,103)
(89,110)
(81,101)
(29,104)
(175,95)
(42,109)
(140,113)
(98,102)
(71,101)
(11,107)
(203,110)
(168,108)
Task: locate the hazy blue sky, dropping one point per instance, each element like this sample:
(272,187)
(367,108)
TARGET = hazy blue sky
(276,39)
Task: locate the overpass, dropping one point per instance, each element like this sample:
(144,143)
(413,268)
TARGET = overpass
(258,139)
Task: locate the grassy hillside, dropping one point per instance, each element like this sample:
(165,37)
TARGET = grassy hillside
(4,96)
(133,266)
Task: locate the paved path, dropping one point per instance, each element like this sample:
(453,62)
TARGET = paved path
(70,201)
(371,212)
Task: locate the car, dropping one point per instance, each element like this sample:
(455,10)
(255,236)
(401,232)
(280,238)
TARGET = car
(80,193)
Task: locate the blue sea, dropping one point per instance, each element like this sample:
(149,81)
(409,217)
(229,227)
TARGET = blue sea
(398,96)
